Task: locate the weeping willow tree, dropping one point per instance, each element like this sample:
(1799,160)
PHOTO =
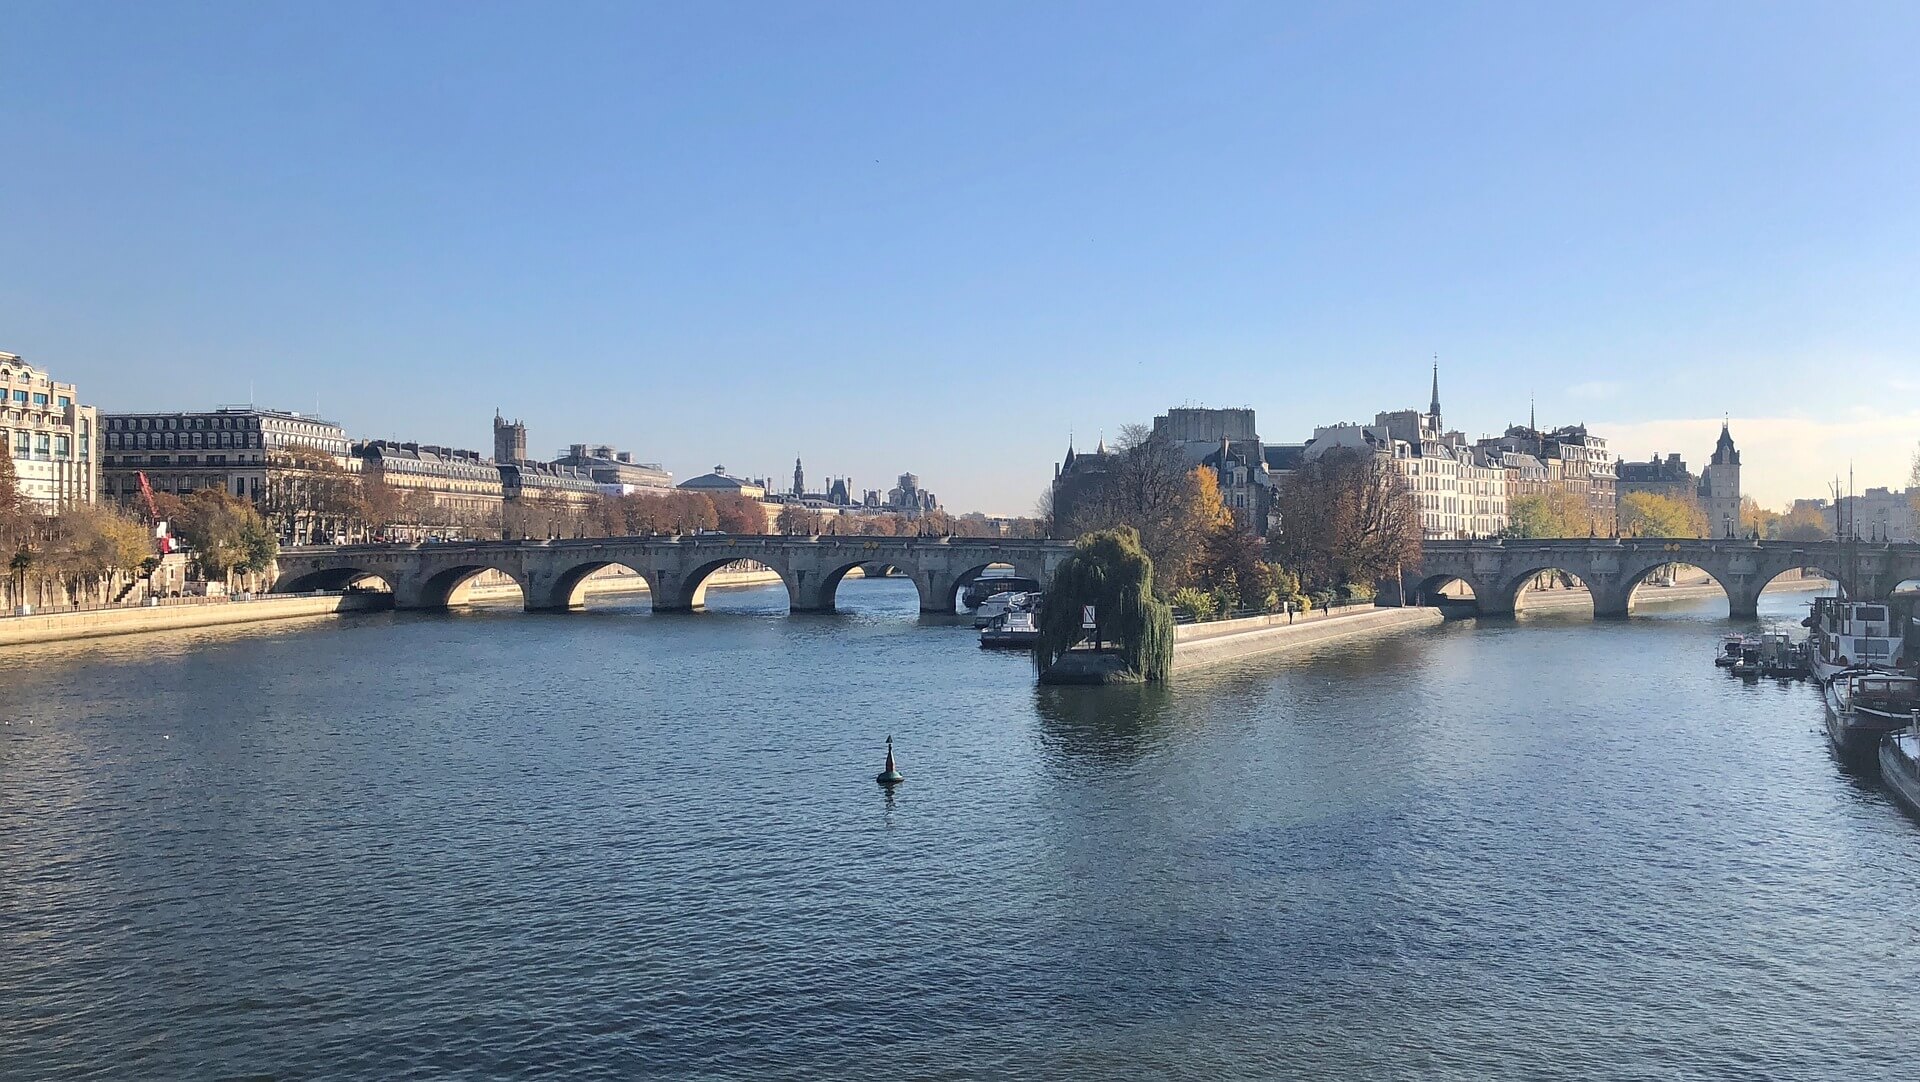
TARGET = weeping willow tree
(1110,571)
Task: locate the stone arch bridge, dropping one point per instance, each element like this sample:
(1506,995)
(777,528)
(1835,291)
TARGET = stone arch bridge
(1611,568)
(552,574)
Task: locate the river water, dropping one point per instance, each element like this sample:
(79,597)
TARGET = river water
(606,844)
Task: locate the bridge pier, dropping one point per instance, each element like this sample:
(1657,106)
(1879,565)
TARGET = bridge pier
(410,594)
(671,593)
(1495,599)
(1743,600)
(1610,600)
(809,591)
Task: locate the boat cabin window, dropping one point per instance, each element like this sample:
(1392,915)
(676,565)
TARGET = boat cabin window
(1874,613)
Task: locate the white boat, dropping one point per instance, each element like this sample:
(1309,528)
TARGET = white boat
(1852,635)
(1014,630)
(1000,605)
(1864,705)
(1900,765)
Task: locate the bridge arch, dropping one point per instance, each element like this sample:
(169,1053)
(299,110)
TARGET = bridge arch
(1432,590)
(1631,588)
(568,588)
(332,579)
(447,585)
(1517,586)
(687,591)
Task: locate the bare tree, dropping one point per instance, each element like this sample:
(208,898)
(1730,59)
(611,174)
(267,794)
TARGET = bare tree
(1347,517)
(1152,489)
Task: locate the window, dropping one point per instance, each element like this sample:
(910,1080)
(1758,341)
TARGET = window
(62,447)
(42,445)
(22,444)
(19,396)
(39,399)
(64,401)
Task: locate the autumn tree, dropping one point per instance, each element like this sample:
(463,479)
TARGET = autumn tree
(797,519)
(1346,517)
(1557,513)
(226,533)
(94,545)
(1649,514)
(737,514)
(1803,523)
(1756,520)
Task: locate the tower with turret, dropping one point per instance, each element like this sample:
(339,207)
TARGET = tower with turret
(1720,487)
(509,439)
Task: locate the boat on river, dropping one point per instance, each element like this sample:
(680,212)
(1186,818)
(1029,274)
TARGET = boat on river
(1900,765)
(1000,604)
(989,584)
(1782,657)
(1010,631)
(1729,651)
(1866,705)
(1852,635)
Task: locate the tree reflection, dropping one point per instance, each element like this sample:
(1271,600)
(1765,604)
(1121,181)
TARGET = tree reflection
(1114,722)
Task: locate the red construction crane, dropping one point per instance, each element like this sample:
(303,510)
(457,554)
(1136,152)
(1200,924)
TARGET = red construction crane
(162,540)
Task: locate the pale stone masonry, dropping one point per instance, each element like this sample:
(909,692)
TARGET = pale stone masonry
(49,436)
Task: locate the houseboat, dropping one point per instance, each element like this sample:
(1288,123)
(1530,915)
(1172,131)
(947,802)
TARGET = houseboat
(1865,705)
(1852,635)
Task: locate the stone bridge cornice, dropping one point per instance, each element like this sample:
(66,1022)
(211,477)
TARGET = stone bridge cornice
(551,573)
(1613,567)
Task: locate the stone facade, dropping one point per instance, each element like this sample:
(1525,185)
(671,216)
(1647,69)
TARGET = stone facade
(1720,488)
(242,450)
(617,470)
(439,491)
(1878,514)
(1227,442)
(1573,460)
(49,436)
(1667,476)
(1460,490)
(509,439)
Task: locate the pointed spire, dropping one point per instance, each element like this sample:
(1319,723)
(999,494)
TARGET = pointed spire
(1532,424)
(1435,408)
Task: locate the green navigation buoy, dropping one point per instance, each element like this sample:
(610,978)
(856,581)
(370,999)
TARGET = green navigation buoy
(891,776)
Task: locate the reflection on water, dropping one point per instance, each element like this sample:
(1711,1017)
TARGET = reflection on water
(1113,722)
(608,843)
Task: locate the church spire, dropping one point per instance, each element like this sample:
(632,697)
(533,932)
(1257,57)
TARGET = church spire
(1435,407)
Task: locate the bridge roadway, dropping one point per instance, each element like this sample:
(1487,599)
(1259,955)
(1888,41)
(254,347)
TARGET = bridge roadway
(1612,567)
(552,574)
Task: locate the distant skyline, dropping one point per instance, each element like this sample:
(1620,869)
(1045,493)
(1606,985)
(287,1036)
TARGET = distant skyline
(887,238)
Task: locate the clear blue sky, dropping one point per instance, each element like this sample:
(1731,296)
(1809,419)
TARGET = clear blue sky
(896,237)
